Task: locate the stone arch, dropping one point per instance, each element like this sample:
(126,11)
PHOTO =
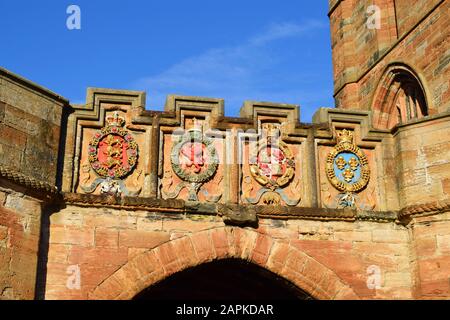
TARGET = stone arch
(400,96)
(277,256)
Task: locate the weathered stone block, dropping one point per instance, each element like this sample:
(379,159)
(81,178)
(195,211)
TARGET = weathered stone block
(106,238)
(70,235)
(142,239)
(394,236)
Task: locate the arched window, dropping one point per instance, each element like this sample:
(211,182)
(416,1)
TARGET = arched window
(399,99)
(409,102)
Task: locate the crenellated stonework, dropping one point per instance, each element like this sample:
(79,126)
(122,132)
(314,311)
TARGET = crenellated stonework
(192,152)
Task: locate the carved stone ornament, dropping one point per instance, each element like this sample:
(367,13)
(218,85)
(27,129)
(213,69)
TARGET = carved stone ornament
(347,166)
(272,165)
(194,157)
(238,215)
(113,152)
(194,160)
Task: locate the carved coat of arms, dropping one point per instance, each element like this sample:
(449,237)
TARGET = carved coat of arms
(113,155)
(347,169)
(272,165)
(194,160)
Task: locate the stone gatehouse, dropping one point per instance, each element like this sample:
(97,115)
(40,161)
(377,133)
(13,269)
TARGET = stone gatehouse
(108,200)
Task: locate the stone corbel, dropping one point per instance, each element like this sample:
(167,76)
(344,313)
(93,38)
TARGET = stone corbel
(238,215)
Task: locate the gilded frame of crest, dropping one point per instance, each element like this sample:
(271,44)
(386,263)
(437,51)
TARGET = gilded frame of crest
(364,164)
(93,152)
(282,181)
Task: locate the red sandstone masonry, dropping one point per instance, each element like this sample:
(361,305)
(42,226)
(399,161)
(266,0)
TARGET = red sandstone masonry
(167,255)
(19,238)
(343,259)
(203,246)
(262,249)
(422,168)
(142,239)
(105,237)
(432,257)
(278,256)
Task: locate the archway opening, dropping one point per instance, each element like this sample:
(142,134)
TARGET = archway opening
(229,279)
(400,98)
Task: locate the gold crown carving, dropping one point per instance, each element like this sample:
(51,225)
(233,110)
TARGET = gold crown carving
(197,125)
(272,130)
(115,120)
(345,136)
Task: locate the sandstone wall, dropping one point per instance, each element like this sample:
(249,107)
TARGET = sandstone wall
(431,256)
(408,172)
(409,13)
(414,37)
(30,129)
(422,154)
(356,47)
(30,126)
(362,55)
(20,225)
(100,242)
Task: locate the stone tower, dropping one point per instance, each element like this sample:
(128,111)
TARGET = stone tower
(387,51)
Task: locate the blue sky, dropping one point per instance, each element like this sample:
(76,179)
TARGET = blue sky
(261,50)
